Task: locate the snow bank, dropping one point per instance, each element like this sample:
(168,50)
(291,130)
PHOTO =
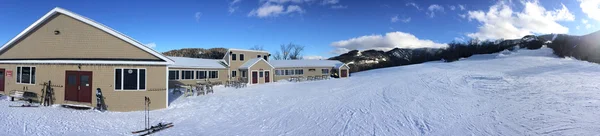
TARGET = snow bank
(530,92)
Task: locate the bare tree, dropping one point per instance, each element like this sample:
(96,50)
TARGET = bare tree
(257,47)
(289,52)
(296,52)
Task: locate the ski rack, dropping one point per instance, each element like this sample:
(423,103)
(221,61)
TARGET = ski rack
(48,93)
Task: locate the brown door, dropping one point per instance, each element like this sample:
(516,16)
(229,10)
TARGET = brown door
(254,77)
(2,80)
(344,73)
(78,86)
(267,79)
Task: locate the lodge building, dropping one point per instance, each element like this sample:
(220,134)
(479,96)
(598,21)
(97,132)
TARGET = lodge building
(80,55)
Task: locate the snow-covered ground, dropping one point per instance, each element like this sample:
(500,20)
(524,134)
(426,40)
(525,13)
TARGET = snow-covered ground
(529,92)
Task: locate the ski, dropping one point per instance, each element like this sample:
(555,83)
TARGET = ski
(151,131)
(23,106)
(160,125)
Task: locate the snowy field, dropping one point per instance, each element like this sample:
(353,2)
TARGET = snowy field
(529,92)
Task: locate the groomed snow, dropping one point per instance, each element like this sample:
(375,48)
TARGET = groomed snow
(529,92)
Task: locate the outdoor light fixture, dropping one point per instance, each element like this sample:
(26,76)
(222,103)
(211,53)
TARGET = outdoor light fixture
(56,32)
(130,71)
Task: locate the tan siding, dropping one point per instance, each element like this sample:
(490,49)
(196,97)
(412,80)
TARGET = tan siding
(307,73)
(222,77)
(235,64)
(103,78)
(76,40)
(264,66)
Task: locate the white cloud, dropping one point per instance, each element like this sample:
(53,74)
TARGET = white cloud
(339,7)
(591,8)
(313,57)
(434,8)
(584,21)
(414,5)
(577,27)
(197,16)
(395,19)
(274,10)
(384,42)
(150,45)
(232,6)
(459,39)
(327,2)
(588,26)
(452,7)
(462,15)
(461,7)
(500,21)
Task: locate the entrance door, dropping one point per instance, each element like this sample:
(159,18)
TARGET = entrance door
(2,80)
(267,79)
(254,77)
(344,73)
(78,86)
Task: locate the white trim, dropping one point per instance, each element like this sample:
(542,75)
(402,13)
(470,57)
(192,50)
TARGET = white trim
(258,61)
(257,79)
(208,74)
(205,75)
(230,49)
(193,71)
(168,70)
(89,22)
(270,77)
(138,79)
(166,87)
(20,75)
(81,62)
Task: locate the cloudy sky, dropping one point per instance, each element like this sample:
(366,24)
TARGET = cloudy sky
(326,27)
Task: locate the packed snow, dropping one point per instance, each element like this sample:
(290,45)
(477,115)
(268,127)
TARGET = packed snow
(529,92)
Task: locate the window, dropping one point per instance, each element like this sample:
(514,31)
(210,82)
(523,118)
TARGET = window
(243,73)
(266,57)
(130,79)
(287,72)
(299,72)
(187,74)
(260,74)
(200,74)
(213,74)
(173,74)
(233,73)
(257,56)
(241,57)
(277,72)
(233,56)
(325,71)
(312,69)
(26,75)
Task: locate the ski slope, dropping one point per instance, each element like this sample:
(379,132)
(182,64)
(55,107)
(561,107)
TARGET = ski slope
(529,92)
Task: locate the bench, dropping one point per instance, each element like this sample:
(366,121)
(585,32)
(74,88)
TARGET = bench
(23,95)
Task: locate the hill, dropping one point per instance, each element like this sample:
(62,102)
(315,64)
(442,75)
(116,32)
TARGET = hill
(212,53)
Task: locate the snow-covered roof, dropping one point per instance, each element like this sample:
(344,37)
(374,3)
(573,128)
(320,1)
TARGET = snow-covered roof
(306,63)
(251,63)
(247,50)
(183,62)
(90,22)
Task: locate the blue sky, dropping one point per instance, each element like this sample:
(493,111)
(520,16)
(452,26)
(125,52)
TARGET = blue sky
(325,27)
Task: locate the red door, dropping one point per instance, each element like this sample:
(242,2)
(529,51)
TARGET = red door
(267,79)
(254,77)
(2,80)
(344,73)
(78,86)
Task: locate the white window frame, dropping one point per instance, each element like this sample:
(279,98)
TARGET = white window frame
(322,71)
(19,75)
(240,57)
(234,73)
(138,81)
(178,74)
(193,74)
(208,74)
(205,75)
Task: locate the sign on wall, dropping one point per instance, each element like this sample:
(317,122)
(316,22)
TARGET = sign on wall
(8,73)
